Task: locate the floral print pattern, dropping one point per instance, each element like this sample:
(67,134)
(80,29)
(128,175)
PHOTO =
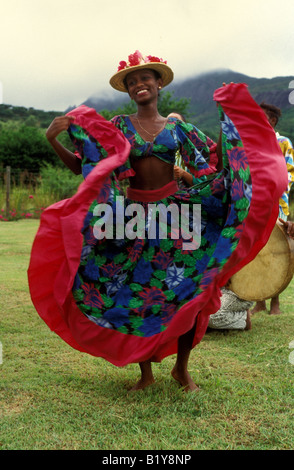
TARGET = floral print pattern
(136,286)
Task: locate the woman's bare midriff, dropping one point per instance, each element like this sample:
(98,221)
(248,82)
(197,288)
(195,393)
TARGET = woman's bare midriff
(151,173)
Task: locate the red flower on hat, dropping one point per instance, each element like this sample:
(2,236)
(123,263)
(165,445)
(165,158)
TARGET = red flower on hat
(135,59)
(122,65)
(151,58)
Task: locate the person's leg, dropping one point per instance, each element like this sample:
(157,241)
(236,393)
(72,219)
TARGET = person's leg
(180,370)
(275,306)
(146,376)
(248,321)
(259,307)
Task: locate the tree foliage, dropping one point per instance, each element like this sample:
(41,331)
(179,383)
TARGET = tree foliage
(24,147)
(31,116)
(168,104)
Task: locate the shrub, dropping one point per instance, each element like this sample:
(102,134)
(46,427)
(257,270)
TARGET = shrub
(59,182)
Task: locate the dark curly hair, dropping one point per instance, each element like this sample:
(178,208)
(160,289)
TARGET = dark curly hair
(272,111)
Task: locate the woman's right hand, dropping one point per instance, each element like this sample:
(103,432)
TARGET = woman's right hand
(178,172)
(59,124)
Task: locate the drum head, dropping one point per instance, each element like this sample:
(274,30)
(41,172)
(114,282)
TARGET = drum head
(269,273)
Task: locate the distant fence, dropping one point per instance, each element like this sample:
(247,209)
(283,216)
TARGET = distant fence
(19,177)
(7,182)
(16,177)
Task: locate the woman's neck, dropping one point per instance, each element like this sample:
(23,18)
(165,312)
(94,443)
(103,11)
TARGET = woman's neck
(149,112)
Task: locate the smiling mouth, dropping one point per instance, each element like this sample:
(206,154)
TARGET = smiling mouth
(141,92)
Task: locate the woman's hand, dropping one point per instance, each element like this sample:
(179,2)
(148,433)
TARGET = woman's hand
(225,84)
(289,227)
(59,124)
(178,172)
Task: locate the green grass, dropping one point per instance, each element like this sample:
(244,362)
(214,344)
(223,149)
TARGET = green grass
(53,397)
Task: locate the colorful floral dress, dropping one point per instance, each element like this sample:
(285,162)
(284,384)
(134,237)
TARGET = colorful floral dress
(129,298)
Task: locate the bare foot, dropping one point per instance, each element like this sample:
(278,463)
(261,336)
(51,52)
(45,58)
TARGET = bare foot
(259,307)
(147,377)
(248,321)
(141,384)
(275,311)
(185,380)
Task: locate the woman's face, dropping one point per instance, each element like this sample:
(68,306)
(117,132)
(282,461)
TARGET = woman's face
(143,85)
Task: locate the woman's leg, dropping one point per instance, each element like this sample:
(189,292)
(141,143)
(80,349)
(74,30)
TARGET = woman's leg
(146,376)
(180,370)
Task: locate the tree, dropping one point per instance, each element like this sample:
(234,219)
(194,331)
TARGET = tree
(24,147)
(167,104)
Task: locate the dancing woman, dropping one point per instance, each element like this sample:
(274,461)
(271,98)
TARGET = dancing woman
(138,299)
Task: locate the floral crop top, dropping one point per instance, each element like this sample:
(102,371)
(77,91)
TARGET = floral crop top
(197,150)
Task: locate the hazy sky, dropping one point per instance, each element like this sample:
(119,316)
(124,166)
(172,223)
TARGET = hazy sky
(57,53)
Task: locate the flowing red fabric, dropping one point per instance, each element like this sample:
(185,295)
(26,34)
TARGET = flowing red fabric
(56,250)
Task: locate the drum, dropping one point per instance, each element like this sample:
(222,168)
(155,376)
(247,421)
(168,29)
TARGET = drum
(270,272)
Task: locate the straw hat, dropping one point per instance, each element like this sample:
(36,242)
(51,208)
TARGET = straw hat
(138,61)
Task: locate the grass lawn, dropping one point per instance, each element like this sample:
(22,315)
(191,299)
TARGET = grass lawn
(53,397)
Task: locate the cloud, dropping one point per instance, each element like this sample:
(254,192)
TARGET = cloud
(58,53)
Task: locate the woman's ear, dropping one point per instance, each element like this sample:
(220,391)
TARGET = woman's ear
(160,83)
(159,86)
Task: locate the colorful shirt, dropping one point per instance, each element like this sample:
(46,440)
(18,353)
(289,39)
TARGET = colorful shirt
(288,152)
(198,151)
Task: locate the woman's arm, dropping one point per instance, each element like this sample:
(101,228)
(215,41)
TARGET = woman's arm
(58,125)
